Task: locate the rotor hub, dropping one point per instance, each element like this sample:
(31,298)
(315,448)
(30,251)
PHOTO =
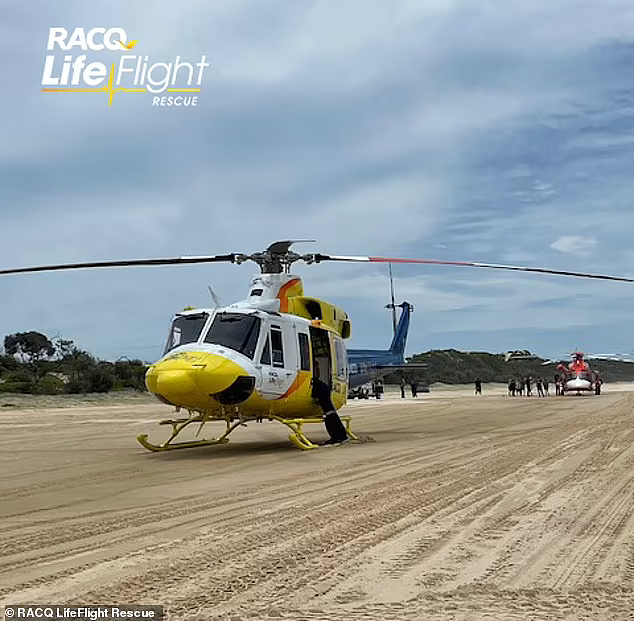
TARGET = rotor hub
(277,258)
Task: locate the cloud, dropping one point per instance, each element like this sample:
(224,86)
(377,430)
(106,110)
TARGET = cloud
(574,244)
(473,129)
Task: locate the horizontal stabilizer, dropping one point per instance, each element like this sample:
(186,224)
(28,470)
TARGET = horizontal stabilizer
(404,367)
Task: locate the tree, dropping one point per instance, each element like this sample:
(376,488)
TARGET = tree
(32,348)
(65,349)
(101,378)
(29,346)
(8,363)
(130,373)
(77,364)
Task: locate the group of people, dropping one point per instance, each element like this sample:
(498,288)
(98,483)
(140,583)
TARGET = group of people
(525,386)
(521,386)
(413,387)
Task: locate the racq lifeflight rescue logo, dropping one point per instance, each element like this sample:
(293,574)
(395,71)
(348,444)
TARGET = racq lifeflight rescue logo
(129,73)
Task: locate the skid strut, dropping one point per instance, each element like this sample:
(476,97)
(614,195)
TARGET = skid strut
(179,424)
(300,440)
(297,437)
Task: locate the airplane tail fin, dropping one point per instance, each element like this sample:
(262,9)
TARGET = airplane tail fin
(400,336)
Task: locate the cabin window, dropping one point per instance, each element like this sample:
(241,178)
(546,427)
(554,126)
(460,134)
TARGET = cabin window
(304,352)
(185,329)
(265,358)
(256,292)
(235,331)
(277,349)
(342,360)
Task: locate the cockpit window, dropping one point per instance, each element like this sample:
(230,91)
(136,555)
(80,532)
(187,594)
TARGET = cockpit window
(235,331)
(185,329)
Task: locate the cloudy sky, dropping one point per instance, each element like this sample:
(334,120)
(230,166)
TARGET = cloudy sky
(478,130)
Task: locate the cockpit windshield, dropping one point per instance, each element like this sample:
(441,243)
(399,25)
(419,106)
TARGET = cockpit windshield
(185,329)
(235,331)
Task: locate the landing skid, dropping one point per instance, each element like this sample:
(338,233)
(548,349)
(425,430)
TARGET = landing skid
(300,440)
(297,437)
(179,424)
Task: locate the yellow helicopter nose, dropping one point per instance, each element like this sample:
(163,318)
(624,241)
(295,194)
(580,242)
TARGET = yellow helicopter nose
(186,378)
(175,382)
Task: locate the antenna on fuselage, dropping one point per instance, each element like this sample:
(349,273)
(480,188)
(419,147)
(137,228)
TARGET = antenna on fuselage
(216,300)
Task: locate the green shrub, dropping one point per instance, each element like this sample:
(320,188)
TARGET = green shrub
(16,387)
(78,386)
(50,385)
(101,380)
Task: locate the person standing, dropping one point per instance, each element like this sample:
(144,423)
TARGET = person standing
(402,388)
(512,388)
(546,387)
(414,389)
(335,428)
(478,386)
(378,388)
(529,392)
(597,386)
(540,387)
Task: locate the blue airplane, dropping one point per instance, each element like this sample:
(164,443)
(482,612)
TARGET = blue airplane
(366,365)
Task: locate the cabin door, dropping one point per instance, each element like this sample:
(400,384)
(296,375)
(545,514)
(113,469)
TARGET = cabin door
(322,358)
(278,360)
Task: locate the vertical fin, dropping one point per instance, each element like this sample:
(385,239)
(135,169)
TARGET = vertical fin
(400,336)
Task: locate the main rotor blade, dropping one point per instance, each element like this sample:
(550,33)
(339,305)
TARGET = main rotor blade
(129,263)
(495,266)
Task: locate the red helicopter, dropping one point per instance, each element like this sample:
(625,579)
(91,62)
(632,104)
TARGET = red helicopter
(579,377)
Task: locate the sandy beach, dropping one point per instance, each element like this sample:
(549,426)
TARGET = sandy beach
(455,507)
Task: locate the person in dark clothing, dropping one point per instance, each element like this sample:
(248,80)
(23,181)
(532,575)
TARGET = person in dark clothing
(335,428)
(597,386)
(478,386)
(529,384)
(377,386)
(402,388)
(546,387)
(540,387)
(414,388)
(512,388)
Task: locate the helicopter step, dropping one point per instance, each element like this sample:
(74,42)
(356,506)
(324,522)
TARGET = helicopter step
(297,437)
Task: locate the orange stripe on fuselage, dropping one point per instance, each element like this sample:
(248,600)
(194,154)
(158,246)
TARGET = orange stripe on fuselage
(298,382)
(282,294)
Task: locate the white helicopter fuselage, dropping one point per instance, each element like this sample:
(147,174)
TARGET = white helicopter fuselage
(251,357)
(578,384)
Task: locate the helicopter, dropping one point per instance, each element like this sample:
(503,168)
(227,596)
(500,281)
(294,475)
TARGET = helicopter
(256,359)
(578,377)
